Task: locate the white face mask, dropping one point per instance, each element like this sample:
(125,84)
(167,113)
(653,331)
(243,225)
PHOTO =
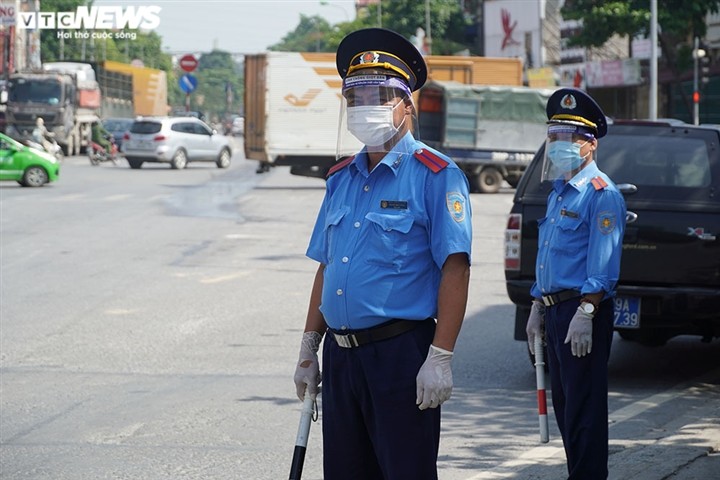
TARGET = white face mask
(373,125)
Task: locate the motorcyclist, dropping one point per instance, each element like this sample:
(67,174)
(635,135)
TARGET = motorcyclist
(41,135)
(100,136)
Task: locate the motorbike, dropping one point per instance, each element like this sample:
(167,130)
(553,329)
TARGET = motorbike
(30,138)
(98,154)
(53,148)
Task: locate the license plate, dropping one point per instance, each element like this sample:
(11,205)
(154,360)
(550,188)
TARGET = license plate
(626,312)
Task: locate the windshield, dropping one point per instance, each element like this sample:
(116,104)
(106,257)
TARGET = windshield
(35,91)
(117,125)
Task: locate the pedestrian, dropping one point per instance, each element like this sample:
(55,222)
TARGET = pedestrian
(577,268)
(392,239)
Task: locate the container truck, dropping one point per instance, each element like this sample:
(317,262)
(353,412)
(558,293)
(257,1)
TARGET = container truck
(70,96)
(292,103)
(491,132)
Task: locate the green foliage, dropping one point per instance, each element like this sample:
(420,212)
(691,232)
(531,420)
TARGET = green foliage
(447,23)
(679,20)
(215,71)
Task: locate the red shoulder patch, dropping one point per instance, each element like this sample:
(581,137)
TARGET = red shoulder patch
(430,160)
(339,166)
(598,183)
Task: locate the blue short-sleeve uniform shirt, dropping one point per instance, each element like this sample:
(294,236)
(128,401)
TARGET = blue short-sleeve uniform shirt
(580,239)
(384,236)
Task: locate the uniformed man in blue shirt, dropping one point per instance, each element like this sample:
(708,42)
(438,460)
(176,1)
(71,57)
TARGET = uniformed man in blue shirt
(393,240)
(577,268)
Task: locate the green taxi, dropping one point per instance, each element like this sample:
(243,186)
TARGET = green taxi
(27,166)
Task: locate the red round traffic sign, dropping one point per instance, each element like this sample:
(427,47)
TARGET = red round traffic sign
(188,62)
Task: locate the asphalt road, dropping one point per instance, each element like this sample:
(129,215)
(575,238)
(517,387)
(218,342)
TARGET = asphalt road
(150,322)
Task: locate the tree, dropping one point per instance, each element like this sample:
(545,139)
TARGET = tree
(218,82)
(448,25)
(679,23)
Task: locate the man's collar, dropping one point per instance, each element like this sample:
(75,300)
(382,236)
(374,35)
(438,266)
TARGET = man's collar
(581,179)
(392,159)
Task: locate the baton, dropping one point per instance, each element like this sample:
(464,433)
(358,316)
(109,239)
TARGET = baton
(301,441)
(542,399)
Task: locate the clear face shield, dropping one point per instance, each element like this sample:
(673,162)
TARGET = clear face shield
(377,112)
(563,157)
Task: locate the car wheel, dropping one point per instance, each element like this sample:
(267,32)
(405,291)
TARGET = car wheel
(34,177)
(179,160)
(223,160)
(134,163)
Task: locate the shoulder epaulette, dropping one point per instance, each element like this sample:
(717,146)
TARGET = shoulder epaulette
(598,183)
(430,159)
(339,166)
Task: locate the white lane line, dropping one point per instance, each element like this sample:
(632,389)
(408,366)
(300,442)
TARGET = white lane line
(553,453)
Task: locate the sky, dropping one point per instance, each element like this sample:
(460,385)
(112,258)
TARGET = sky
(236,26)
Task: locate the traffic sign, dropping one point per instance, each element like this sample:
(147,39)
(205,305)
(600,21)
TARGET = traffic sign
(188,83)
(188,62)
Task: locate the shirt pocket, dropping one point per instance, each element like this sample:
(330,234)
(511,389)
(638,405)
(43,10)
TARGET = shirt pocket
(332,224)
(571,236)
(388,238)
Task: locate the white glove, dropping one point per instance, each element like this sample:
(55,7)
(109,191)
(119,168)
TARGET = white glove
(434,380)
(535,323)
(307,373)
(580,333)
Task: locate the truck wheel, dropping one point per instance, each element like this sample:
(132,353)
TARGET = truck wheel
(134,164)
(179,160)
(489,180)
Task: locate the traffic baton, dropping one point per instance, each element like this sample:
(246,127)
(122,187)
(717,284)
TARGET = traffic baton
(308,414)
(542,399)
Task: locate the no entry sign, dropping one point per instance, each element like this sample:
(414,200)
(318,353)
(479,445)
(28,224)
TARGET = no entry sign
(188,62)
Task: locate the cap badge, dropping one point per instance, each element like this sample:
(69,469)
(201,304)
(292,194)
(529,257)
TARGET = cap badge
(369,57)
(568,101)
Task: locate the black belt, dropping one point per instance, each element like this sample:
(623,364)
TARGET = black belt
(357,338)
(561,296)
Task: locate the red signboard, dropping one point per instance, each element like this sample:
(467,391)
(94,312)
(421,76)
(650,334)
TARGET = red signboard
(188,62)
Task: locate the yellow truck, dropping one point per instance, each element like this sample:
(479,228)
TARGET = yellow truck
(292,103)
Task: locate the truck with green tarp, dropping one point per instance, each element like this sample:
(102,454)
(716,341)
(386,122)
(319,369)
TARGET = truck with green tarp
(491,132)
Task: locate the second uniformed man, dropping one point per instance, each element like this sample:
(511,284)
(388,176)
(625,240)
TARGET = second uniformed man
(577,268)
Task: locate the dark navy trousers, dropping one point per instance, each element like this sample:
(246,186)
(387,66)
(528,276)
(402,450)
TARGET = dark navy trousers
(372,427)
(580,390)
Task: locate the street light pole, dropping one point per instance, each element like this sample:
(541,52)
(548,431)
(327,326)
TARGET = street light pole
(653,61)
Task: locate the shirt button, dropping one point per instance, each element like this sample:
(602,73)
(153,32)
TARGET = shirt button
(541,267)
(345,259)
(357,225)
(543,289)
(339,291)
(552,220)
(546,243)
(344,327)
(559,199)
(367,188)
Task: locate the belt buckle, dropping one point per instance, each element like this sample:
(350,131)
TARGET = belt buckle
(346,341)
(548,300)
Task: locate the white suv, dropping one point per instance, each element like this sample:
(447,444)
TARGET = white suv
(174,140)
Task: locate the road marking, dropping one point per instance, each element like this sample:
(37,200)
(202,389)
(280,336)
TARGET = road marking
(553,453)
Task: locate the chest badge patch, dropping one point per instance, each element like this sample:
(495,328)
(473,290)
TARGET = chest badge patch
(606,222)
(456,206)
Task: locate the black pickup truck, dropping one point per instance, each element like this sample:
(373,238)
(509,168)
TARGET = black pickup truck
(669,280)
